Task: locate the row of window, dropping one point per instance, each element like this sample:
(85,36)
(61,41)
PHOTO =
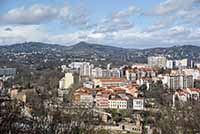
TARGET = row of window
(118,105)
(119,102)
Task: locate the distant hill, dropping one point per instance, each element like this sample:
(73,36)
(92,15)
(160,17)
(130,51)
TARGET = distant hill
(176,52)
(96,49)
(30,47)
(37,52)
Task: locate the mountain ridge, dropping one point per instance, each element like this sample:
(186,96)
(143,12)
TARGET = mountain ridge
(84,51)
(92,44)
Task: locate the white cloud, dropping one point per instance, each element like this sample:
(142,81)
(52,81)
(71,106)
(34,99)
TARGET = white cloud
(96,35)
(174,12)
(161,24)
(112,26)
(190,16)
(124,38)
(171,6)
(22,34)
(131,10)
(37,14)
(178,30)
(78,16)
(32,15)
(117,21)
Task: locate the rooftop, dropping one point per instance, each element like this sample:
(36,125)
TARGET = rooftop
(111,79)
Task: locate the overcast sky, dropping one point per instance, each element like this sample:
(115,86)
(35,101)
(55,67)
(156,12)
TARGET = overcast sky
(122,23)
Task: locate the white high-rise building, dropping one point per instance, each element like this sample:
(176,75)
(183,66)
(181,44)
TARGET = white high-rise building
(86,69)
(170,64)
(115,73)
(97,72)
(179,81)
(76,65)
(109,66)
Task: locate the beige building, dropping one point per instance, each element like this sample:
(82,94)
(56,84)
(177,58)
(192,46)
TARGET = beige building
(113,82)
(157,61)
(14,94)
(181,63)
(66,81)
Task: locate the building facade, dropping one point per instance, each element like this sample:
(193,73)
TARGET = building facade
(106,82)
(135,74)
(102,101)
(157,61)
(138,104)
(66,81)
(118,103)
(179,81)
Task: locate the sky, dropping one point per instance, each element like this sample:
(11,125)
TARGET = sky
(121,23)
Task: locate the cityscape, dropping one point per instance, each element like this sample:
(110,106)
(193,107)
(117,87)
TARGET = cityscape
(68,67)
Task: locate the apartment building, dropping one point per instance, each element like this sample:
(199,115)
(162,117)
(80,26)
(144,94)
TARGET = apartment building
(102,101)
(157,61)
(179,81)
(188,94)
(104,73)
(138,73)
(86,69)
(138,104)
(113,82)
(66,81)
(118,103)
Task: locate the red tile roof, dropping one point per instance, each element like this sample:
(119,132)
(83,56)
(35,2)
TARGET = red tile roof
(120,99)
(83,90)
(195,89)
(118,89)
(111,80)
